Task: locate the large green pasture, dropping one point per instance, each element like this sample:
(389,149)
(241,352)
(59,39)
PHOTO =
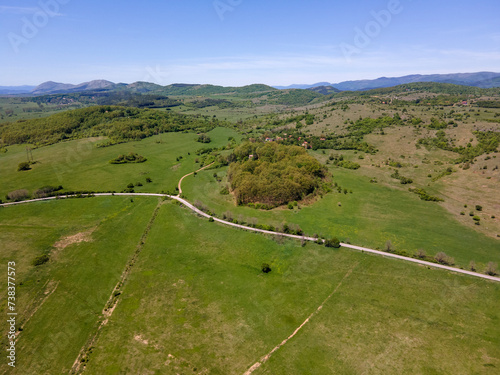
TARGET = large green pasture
(79,165)
(372,215)
(59,303)
(197,303)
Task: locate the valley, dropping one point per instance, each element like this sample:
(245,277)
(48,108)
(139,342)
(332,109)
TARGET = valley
(412,171)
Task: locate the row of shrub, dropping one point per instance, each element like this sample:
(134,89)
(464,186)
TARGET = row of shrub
(49,191)
(440,258)
(425,196)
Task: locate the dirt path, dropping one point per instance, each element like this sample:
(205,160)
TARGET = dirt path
(189,174)
(276,348)
(113,299)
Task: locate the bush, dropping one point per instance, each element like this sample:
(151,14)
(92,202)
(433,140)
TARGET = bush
(24,166)
(472,266)
(421,254)
(130,158)
(148,180)
(46,191)
(18,195)
(491,269)
(332,242)
(203,138)
(479,208)
(388,246)
(442,258)
(266,268)
(42,259)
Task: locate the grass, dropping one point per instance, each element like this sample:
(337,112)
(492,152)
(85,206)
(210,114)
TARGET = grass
(79,165)
(369,217)
(198,303)
(81,276)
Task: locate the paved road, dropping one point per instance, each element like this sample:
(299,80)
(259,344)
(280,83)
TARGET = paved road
(203,214)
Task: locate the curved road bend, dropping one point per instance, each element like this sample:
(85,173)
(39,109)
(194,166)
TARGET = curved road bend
(203,214)
(189,174)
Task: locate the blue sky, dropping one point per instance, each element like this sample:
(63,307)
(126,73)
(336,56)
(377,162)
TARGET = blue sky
(238,42)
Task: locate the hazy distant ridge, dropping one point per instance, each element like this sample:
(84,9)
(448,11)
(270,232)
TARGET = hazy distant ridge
(481,79)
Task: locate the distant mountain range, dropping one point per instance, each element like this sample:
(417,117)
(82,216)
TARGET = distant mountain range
(12,90)
(481,79)
(49,88)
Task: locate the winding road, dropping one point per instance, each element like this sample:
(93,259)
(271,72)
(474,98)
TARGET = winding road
(239,226)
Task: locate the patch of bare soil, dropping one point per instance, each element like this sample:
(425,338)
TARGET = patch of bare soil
(76,238)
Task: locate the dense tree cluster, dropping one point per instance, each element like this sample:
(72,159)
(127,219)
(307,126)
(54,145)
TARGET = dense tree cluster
(273,174)
(130,158)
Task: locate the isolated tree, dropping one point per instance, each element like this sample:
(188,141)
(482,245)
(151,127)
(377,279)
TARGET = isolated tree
(332,242)
(388,246)
(421,254)
(266,268)
(18,195)
(24,166)
(491,269)
(442,258)
(472,266)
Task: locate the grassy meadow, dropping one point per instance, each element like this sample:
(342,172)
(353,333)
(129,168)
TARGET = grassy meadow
(196,300)
(80,165)
(197,303)
(59,303)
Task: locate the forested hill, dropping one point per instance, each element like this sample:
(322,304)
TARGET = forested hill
(428,87)
(118,123)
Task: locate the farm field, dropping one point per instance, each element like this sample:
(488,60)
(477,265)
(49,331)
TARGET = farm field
(196,300)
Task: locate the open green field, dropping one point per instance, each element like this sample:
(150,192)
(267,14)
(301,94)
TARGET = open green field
(370,216)
(196,301)
(79,165)
(59,302)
